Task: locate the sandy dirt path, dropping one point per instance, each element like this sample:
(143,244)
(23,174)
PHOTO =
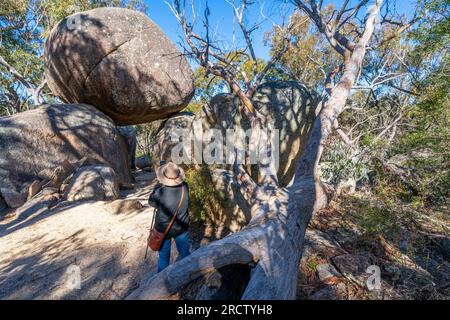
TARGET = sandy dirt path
(41,257)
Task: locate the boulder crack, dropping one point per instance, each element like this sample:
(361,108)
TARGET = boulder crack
(109,53)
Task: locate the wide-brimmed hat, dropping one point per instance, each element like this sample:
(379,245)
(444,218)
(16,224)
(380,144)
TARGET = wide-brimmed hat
(170,174)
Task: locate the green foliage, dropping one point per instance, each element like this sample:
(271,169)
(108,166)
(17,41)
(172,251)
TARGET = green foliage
(338,165)
(203,201)
(146,134)
(143,139)
(312,264)
(428,136)
(377,214)
(430,140)
(208,85)
(194,106)
(377,220)
(308,57)
(432,34)
(389,125)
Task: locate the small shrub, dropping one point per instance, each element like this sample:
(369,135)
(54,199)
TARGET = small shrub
(202,194)
(339,165)
(194,107)
(312,264)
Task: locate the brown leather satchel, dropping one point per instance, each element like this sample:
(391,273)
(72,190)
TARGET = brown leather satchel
(156,238)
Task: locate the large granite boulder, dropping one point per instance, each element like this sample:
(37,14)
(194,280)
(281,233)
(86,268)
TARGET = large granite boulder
(38,141)
(119,61)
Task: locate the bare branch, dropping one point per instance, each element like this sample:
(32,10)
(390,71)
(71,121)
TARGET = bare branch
(375,83)
(403,27)
(339,16)
(324,28)
(30,88)
(239,14)
(260,76)
(353,13)
(403,90)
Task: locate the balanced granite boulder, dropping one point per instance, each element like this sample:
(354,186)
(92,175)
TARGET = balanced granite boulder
(119,61)
(40,140)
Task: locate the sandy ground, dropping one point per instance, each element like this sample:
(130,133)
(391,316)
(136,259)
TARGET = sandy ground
(44,256)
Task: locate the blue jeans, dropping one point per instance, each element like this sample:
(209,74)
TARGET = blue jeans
(182,242)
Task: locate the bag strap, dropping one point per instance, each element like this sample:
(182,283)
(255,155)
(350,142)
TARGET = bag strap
(175,213)
(153,220)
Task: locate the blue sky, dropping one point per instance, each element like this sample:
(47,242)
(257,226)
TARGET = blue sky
(222,22)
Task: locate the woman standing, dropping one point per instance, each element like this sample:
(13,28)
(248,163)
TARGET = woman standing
(171,193)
